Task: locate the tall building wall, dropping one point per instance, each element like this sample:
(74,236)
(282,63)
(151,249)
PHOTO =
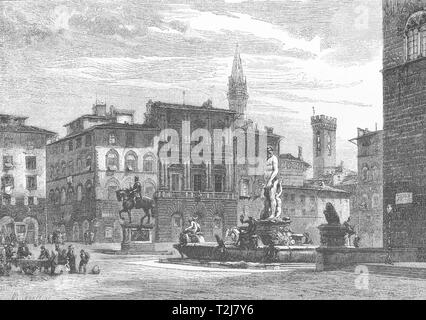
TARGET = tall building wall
(404,110)
(23,176)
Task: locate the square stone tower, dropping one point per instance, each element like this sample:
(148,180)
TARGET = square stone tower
(324,144)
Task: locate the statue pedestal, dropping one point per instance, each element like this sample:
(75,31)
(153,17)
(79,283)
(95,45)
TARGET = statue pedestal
(136,238)
(332,235)
(274,232)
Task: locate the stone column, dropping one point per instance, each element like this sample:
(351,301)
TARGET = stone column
(186,143)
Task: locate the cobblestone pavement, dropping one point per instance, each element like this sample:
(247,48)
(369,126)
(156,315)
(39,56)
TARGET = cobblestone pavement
(139,277)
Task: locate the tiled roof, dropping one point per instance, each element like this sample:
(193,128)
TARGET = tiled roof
(289,156)
(25,129)
(189,107)
(112,125)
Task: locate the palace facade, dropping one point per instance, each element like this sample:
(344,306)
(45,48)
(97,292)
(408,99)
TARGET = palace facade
(23,176)
(101,153)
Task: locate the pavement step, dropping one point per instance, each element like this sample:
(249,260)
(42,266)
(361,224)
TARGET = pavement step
(241,265)
(393,271)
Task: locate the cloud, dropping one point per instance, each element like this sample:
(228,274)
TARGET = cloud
(242,23)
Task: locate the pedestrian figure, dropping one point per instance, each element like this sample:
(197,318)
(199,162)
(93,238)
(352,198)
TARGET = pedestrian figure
(53,261)
(85,237)
(71,259)
(23,251)
(84,260)
(45,256)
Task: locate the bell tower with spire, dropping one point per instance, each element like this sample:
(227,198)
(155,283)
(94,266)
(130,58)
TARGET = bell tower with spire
(237,86)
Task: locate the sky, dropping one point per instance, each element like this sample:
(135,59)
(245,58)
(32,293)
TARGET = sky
(58,57)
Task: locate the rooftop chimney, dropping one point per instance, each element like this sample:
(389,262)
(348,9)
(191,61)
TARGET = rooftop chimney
(300,156)
(99,109)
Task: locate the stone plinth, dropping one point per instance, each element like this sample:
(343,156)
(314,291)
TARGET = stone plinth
(274,232)
(136,238)
(328,258)
(332,235)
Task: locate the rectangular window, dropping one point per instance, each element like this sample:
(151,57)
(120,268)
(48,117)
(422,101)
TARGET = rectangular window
(197,182)
(292,198)
(31,182)
(218,183)
(62,148)
(244,188)
(30,201)
(31,163)
(88,140)
(175,182)
(78,143)
(7,162)
(423,42)
(130,139)
(70,145)
(416,43)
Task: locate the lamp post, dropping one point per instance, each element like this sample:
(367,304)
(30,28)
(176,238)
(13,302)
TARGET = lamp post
(388,259)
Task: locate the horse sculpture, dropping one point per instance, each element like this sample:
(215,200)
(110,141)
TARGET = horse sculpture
(129,203)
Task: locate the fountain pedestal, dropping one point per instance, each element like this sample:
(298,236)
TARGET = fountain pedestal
(274,232)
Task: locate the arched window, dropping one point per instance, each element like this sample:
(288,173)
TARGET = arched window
(112,186)
(75,232)
(70,193)
(329,146)
(217,227)
(70,167)
(131,160)
(63,196)
(112,163)
(79,164)
(64,167)
(364,202)
(57,195)
(148,163)
(79,192)
(375,202)
(375,173)
(89,186)
(364,173)
(52,196)
(415,36)
(88,163)
(318,142)
(52,171)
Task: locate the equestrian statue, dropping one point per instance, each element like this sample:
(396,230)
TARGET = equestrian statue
(132,199)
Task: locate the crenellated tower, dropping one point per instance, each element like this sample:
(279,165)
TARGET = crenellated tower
(237,86)
(324,144)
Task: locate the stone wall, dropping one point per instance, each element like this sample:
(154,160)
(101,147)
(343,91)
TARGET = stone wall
(404,144)
(173,215)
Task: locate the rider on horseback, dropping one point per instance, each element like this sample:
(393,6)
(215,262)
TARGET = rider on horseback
(136,190)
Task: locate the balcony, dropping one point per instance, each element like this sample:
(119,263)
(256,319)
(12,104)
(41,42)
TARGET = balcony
(193,194)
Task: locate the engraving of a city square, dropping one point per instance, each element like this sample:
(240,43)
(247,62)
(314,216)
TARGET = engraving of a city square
(212,149)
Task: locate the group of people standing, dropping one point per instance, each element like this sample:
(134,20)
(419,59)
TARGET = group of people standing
(63,257)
